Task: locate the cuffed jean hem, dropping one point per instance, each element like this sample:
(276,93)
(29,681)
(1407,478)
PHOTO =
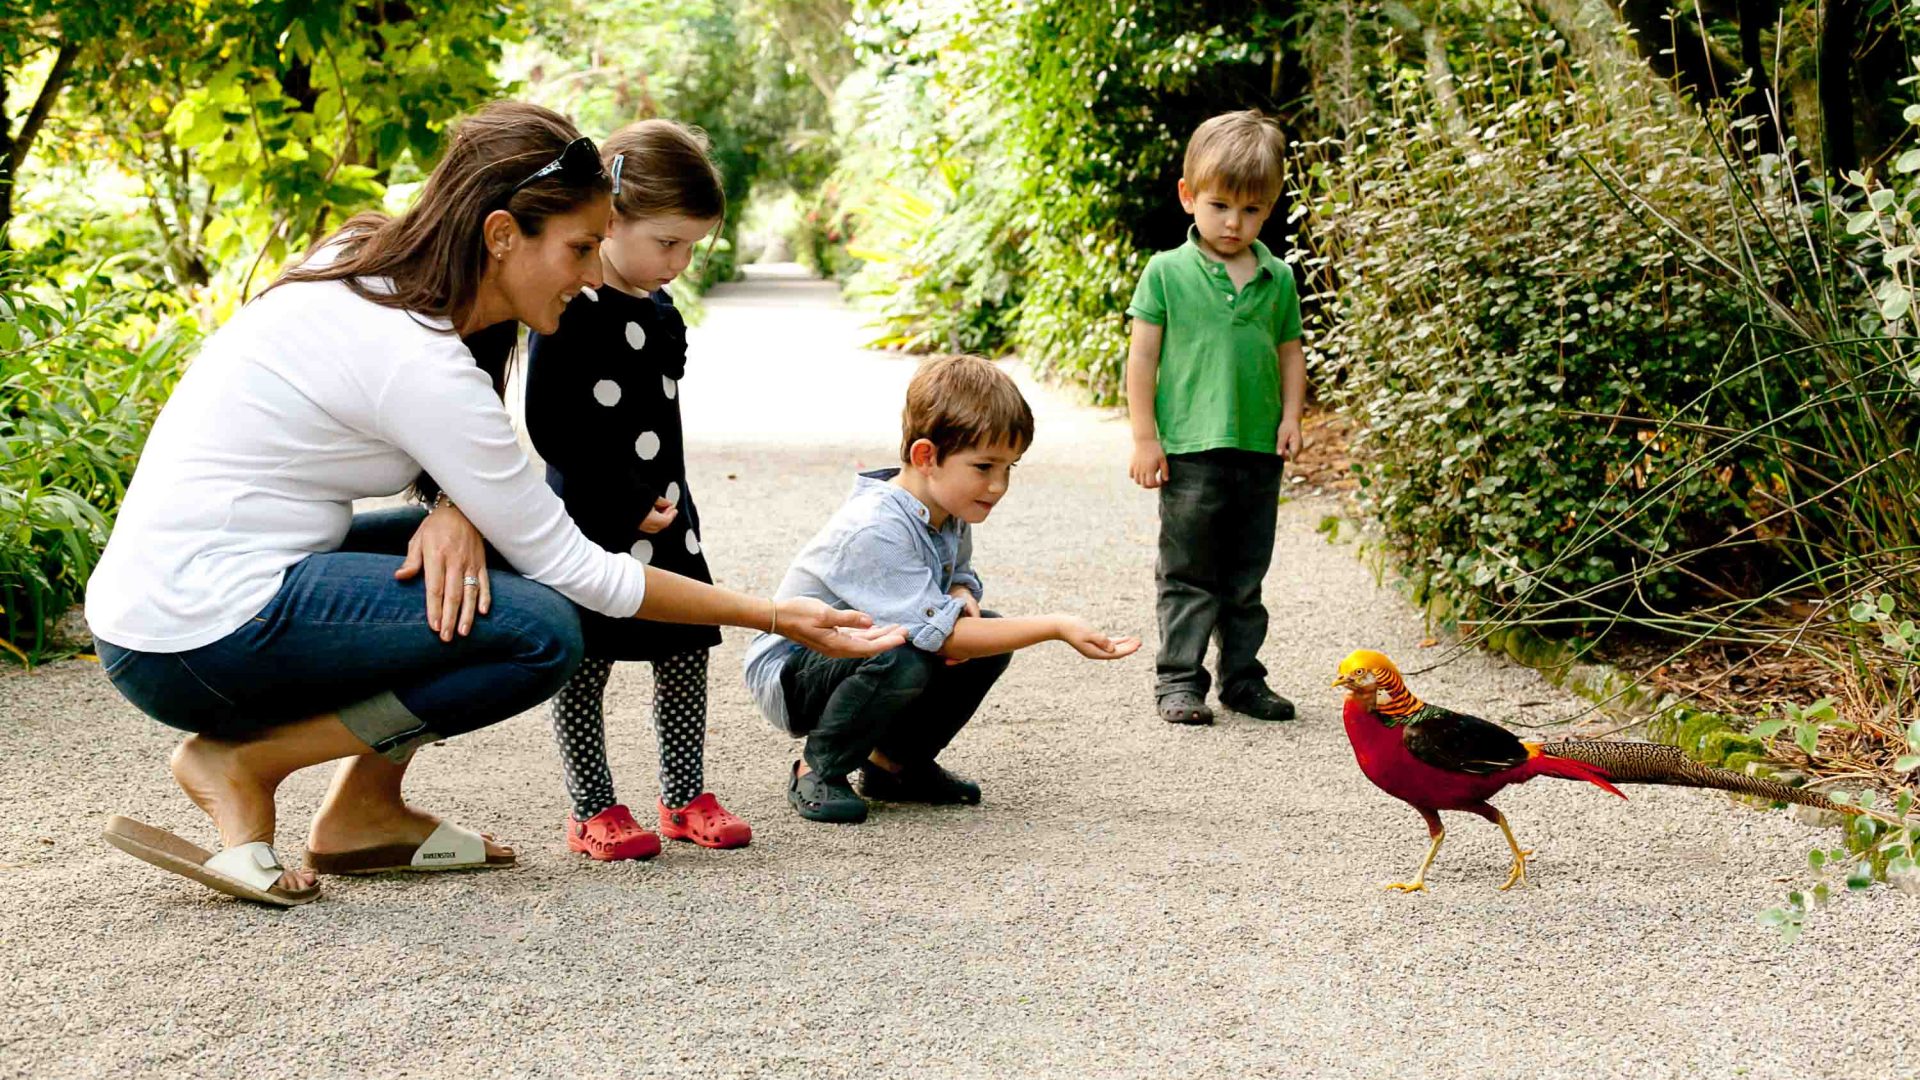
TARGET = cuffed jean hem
(387,726)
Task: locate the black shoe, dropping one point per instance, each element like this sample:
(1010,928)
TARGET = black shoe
(923,783)
(818,799)
(1258,702)
(1185,707)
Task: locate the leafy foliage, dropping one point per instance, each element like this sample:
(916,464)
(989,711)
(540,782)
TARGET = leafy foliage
(76,400)
(250,129)
(754,74)
(992,219)
(926,192)
(1509,331)
(1602,363)
(186,151)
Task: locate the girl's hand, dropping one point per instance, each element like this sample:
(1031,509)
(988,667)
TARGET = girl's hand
(1093,644)
(659,517)
(1149,465)
(832,632)
(448,550)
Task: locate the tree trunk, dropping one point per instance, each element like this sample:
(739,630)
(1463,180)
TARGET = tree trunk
(1585,24)
(14,146)
(1755,16)
(6,155)
(1838,23)
(1440,80)
(1674,46)
(1883,63)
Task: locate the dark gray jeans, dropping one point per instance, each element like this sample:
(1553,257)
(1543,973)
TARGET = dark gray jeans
(907,703)
(1217,512)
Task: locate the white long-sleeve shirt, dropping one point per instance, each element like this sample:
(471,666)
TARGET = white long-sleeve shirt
(308,398)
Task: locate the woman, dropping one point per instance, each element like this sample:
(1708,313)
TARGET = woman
(237,600)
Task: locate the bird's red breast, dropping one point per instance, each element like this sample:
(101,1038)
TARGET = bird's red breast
(1383,756)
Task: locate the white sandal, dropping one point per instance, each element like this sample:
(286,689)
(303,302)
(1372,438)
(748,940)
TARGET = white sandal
(450,847)
(248,871)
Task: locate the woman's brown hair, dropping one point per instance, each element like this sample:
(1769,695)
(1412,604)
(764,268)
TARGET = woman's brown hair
(435,253)
(664,169)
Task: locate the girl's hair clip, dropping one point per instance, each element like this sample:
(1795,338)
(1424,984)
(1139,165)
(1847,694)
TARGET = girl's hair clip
(618,161)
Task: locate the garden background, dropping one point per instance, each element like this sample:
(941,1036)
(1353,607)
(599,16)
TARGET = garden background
(1610,305)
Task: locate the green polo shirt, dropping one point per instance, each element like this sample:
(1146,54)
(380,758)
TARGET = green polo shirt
(1219,382)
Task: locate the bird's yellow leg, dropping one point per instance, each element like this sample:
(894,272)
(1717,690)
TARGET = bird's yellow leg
(1518,874)
(1419,882)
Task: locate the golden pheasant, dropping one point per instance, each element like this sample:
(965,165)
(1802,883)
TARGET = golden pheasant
(1435,759)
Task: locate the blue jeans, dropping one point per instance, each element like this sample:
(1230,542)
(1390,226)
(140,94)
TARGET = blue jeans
(343,636)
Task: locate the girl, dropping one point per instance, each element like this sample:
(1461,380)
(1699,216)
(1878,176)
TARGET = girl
(603,409)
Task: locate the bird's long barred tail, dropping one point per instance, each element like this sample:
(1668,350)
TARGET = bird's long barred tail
(1653,763)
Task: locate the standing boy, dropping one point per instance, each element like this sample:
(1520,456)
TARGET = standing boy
(901,549)
(1215,381)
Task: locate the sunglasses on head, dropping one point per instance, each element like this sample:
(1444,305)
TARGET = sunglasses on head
(579,161)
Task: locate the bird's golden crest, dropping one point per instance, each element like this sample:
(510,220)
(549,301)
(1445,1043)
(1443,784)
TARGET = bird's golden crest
(1367,670)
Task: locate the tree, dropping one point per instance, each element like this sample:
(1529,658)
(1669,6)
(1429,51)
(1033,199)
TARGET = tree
(756,75)
(33,32)
(254,126)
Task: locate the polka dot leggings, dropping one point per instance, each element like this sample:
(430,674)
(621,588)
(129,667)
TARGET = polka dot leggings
(679,722)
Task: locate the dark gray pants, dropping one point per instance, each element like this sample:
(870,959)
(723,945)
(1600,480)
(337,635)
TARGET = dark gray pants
(1217,512)
(907,703)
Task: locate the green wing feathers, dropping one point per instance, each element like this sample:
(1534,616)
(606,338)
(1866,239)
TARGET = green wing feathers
(1653,763)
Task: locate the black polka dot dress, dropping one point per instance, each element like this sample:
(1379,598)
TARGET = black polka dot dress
(603,410)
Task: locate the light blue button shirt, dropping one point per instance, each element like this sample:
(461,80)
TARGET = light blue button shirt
(877,554)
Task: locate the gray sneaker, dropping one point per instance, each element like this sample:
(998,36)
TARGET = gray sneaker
(817,798)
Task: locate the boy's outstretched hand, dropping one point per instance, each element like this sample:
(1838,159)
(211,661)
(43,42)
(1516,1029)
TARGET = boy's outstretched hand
(830,631)
(1092,643)
(1149,465)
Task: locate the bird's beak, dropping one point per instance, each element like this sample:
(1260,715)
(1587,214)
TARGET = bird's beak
(1344,681)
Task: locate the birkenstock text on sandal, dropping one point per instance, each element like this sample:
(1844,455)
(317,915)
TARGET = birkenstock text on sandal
(247,871)
(449,847)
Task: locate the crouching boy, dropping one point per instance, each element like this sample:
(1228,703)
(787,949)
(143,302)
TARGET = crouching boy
(900,548)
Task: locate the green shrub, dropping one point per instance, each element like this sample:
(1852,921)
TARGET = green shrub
(82,375)
(920,214)
(1546,376)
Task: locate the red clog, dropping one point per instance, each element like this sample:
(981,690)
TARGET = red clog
(611,835)
(705,822)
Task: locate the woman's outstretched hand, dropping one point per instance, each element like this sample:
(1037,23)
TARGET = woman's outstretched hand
(830,631)
(447,550)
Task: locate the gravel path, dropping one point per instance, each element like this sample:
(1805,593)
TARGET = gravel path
(1133,899)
